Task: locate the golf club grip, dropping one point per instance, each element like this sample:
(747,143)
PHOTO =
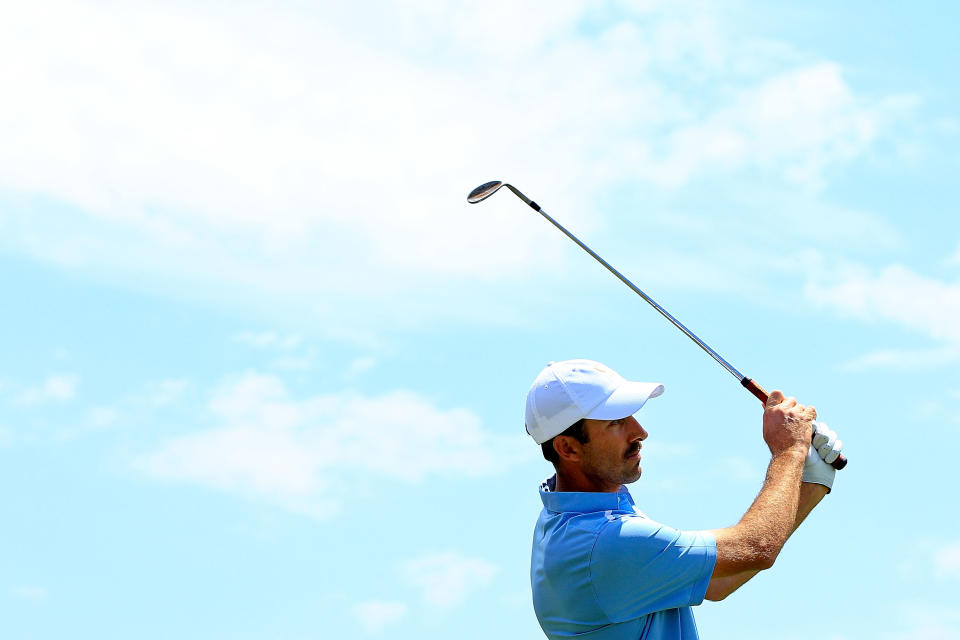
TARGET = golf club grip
(762,396)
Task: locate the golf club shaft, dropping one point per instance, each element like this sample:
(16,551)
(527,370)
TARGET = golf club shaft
(666,314)
(751,386)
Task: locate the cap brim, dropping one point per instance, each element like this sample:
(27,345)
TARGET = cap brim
(626,400)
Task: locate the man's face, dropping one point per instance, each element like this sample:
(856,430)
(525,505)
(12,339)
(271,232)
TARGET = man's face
(611,456)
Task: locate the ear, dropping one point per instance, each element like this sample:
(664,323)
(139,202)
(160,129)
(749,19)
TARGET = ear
(568,448)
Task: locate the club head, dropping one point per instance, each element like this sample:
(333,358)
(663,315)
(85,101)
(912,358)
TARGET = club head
(484,191)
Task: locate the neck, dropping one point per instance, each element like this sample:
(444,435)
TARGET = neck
(577,480)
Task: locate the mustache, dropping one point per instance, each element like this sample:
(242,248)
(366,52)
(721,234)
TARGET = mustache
(632,449)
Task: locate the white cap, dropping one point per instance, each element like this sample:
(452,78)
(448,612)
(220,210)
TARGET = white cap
(567,391)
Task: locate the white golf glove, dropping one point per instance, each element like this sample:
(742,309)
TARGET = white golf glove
(825,449)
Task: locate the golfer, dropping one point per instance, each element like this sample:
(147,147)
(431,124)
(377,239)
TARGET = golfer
(600,568)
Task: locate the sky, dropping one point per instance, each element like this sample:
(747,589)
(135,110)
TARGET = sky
(263,367)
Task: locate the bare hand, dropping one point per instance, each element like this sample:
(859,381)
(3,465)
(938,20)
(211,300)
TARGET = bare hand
(787,424)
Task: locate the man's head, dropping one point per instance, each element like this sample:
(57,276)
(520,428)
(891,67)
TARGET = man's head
(598,455)
(580,412)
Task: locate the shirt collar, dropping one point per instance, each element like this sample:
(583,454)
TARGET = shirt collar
(583,501)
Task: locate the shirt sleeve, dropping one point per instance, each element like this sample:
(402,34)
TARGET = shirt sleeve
(639,566)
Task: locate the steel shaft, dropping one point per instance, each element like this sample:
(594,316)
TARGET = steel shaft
(486,190)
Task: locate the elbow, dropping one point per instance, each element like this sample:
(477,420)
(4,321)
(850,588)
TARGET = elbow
(766,556)
(758,555)
(716,596)
(740,550)
(756,563)
(764,547)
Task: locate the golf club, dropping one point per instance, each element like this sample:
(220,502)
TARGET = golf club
(487,189)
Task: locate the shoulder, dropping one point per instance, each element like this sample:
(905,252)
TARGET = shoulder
(628,530)
(637,540)
(639,566)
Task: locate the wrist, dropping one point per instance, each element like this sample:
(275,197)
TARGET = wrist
(818,485)
(816,471)
(797,453)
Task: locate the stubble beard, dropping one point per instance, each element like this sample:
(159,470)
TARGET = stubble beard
(632,474)
(620,473)
(632,470)
(607,470)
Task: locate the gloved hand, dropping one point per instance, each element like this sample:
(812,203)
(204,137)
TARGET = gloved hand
(824,450)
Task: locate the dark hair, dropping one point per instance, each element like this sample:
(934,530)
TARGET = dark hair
(576,430)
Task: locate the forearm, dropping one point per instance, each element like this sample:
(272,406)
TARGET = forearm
(755,541)
(810,496)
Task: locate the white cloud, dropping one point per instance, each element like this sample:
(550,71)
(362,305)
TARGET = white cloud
(895,294)
(361,365)
(805,121)
(375,615)
(930,629)
(97,419)
(949,126)
(955,258)
(947,561)
(28,592)
(164,393)
(56,388)
(902,359)
(241,145)
(927,622)
(269,339)
(286,344)
(239,157)
(102,417)
(297,453)
(447,578)
(931,558)
(295,362)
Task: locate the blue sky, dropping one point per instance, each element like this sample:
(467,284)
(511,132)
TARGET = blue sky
(264,368)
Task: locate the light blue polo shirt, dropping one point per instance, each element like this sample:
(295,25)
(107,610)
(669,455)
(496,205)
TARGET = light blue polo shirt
(601,570)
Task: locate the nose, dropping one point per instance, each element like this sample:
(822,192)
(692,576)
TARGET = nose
(638,428)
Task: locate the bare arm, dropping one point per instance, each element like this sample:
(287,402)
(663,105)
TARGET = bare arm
(754,543)
(720,587)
